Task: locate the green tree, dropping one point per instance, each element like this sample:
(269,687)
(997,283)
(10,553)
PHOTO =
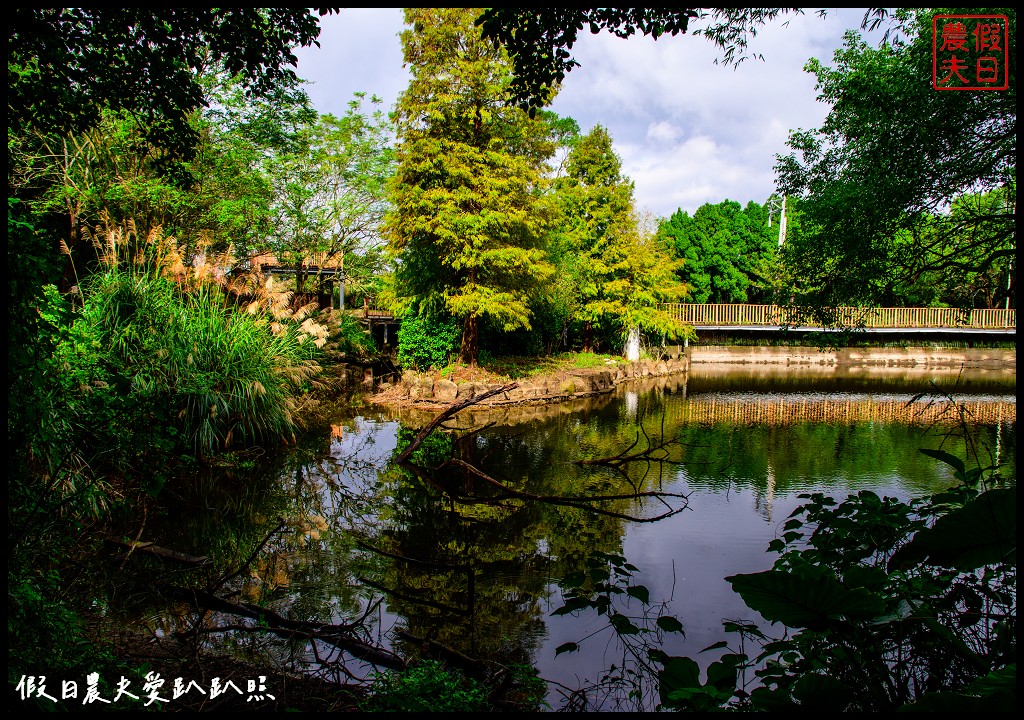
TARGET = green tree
(611,270)
(596,201)
(882,178)
(727,251)
(468,213)
(329,193)
(64,65)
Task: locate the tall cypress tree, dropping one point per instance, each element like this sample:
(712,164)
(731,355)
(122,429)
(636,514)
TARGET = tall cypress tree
(597,209)
(619,274)
(469,215)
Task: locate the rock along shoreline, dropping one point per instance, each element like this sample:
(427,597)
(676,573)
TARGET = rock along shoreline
(428,390)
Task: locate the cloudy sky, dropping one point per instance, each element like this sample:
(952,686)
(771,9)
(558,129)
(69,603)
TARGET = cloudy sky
(688,131)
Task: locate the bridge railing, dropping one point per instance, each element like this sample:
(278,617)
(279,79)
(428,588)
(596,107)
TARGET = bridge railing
(738,314)
(313,260)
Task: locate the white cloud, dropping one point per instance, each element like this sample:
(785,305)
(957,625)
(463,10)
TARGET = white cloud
(663,131)
(359,52)
(689,131)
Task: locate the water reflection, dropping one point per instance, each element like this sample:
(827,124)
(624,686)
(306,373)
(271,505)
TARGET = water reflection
(466,565)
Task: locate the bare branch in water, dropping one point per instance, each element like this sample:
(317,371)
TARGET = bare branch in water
(404,456)
(654,453)
(584,502)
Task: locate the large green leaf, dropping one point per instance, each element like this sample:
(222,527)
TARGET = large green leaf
(670,624)
(812,598)
(566,647)
(951,702)
(722,673)
(952,460)
(680,673)
(640,592)
(772,700)
(982,532)
(622,624)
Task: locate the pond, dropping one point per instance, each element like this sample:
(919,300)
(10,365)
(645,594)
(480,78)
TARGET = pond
(698,473)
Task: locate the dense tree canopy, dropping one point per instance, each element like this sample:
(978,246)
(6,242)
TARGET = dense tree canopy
(887,180)
(606,264)
(65,64)
(597,211)
(468,219)
(727,251)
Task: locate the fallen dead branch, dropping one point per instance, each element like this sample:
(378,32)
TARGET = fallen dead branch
(578,502)
(658,453)
(134,546)
(430,476)
(422,435)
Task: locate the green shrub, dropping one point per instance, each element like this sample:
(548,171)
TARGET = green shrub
(426,687)
(427,341)
(187,368)
(47,638)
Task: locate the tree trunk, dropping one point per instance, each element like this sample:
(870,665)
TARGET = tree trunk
(588,336)
(470,349)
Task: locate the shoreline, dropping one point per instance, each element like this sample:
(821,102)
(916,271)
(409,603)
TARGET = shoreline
(432,391)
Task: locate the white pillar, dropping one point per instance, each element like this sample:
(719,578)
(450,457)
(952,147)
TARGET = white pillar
(633,344)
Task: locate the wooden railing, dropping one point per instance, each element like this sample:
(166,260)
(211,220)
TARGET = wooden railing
(773,315)
(712,410)
(314,260)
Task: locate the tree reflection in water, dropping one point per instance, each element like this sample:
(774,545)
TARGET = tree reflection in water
(498,547)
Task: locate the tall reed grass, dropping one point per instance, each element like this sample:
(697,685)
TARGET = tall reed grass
(169,335)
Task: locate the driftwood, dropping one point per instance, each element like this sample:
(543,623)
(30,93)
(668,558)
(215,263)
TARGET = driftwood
(654,453)
(462,612)
(281,525)
(439,651)
(577,502)
(404,456)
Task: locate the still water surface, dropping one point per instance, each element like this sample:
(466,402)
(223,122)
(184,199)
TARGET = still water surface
(450,557)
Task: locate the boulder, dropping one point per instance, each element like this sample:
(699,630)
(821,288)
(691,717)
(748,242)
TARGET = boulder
(445,390)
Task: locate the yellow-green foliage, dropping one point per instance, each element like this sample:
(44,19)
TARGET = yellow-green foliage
(468,219)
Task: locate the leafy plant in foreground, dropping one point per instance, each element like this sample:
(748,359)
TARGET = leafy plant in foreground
(889,605)
(426,687)
(425,341)
(605,585)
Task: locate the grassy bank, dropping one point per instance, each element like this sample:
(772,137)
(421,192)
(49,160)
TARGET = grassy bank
(522,367)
